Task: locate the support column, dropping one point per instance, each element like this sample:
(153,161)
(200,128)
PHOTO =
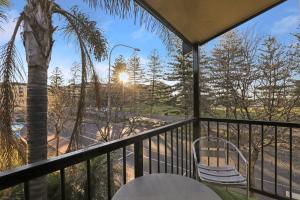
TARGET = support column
(196,106)
(196,92)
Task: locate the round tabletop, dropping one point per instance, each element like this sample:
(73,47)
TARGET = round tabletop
(165,187)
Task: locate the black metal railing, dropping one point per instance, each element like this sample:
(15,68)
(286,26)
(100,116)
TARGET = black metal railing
(266,139)
(167,149)
(144,147)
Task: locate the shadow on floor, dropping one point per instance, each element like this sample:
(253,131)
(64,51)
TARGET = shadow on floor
(236,193)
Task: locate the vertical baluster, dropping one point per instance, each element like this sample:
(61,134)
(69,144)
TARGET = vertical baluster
(172,160)
(158,155)
(166,170)
(227,146)
(249,157)
(177,151)
(208,142)
(62,184)
(181,128)
(108,176)
(186,151)
(275,160)
(138,159)
(150,160)
(262,159)
(26,190)
(88,176)
(218,133)
(190,148)
(124,165)
(291,163)
(238,144)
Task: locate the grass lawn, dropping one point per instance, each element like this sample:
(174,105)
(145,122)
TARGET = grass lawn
(158,109)
(229,194)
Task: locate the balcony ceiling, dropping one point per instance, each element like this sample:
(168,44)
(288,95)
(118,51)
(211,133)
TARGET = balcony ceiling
(198,21)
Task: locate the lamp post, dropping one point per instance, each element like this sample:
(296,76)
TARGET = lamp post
(109,68)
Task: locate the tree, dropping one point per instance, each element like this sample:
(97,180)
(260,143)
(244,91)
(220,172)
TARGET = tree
(226,57)
(74,81)
(276,82)
(59,105)
(136,78)
(154,74)
(118,67)
(181,72)
(117,85)
(3,17)
(38,30)
(38,42)
(206,95)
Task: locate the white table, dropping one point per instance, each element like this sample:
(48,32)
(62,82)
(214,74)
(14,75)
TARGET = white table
(165,187)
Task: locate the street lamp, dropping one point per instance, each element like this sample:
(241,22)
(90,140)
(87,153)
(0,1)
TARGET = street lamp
(109,67)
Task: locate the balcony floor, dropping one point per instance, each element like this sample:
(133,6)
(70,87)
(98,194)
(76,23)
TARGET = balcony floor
(237,194)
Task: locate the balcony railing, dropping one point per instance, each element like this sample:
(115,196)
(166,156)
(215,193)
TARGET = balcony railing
(277,160)
(180,160)
(167,149)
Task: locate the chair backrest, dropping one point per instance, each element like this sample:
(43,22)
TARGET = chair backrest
(210,148)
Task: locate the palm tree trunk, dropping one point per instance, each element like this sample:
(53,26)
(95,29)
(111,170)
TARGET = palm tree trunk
(37,125)
(38,43)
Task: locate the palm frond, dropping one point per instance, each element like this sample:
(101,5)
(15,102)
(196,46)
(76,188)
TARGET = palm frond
(4,3)
(91,42)
(10,72)
(90,34)
(122,8)
(3,17)
(129,8)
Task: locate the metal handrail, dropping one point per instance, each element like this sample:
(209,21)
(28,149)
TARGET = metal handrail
(252,122)
(30,171)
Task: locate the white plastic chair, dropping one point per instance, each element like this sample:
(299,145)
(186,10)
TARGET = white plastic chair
(222,173)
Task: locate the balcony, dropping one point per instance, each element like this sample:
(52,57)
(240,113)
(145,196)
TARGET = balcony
(167,149)
(96,172)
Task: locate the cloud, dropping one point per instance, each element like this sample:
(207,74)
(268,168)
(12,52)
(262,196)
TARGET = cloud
(8,27)
(285,25)
(106,26)
(141,33)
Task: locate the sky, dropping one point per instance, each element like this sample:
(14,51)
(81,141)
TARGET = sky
(280,21)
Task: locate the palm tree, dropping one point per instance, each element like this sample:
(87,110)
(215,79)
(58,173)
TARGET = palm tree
(3,3)
(38,29)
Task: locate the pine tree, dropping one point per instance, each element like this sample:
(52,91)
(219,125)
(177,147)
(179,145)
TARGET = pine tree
(136,78)
(181,72)
(59,105)
(226,58)
(206,95)
(118,99)
(276,81)
(74,83)
(154,74)
(118,67)
(56,79)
